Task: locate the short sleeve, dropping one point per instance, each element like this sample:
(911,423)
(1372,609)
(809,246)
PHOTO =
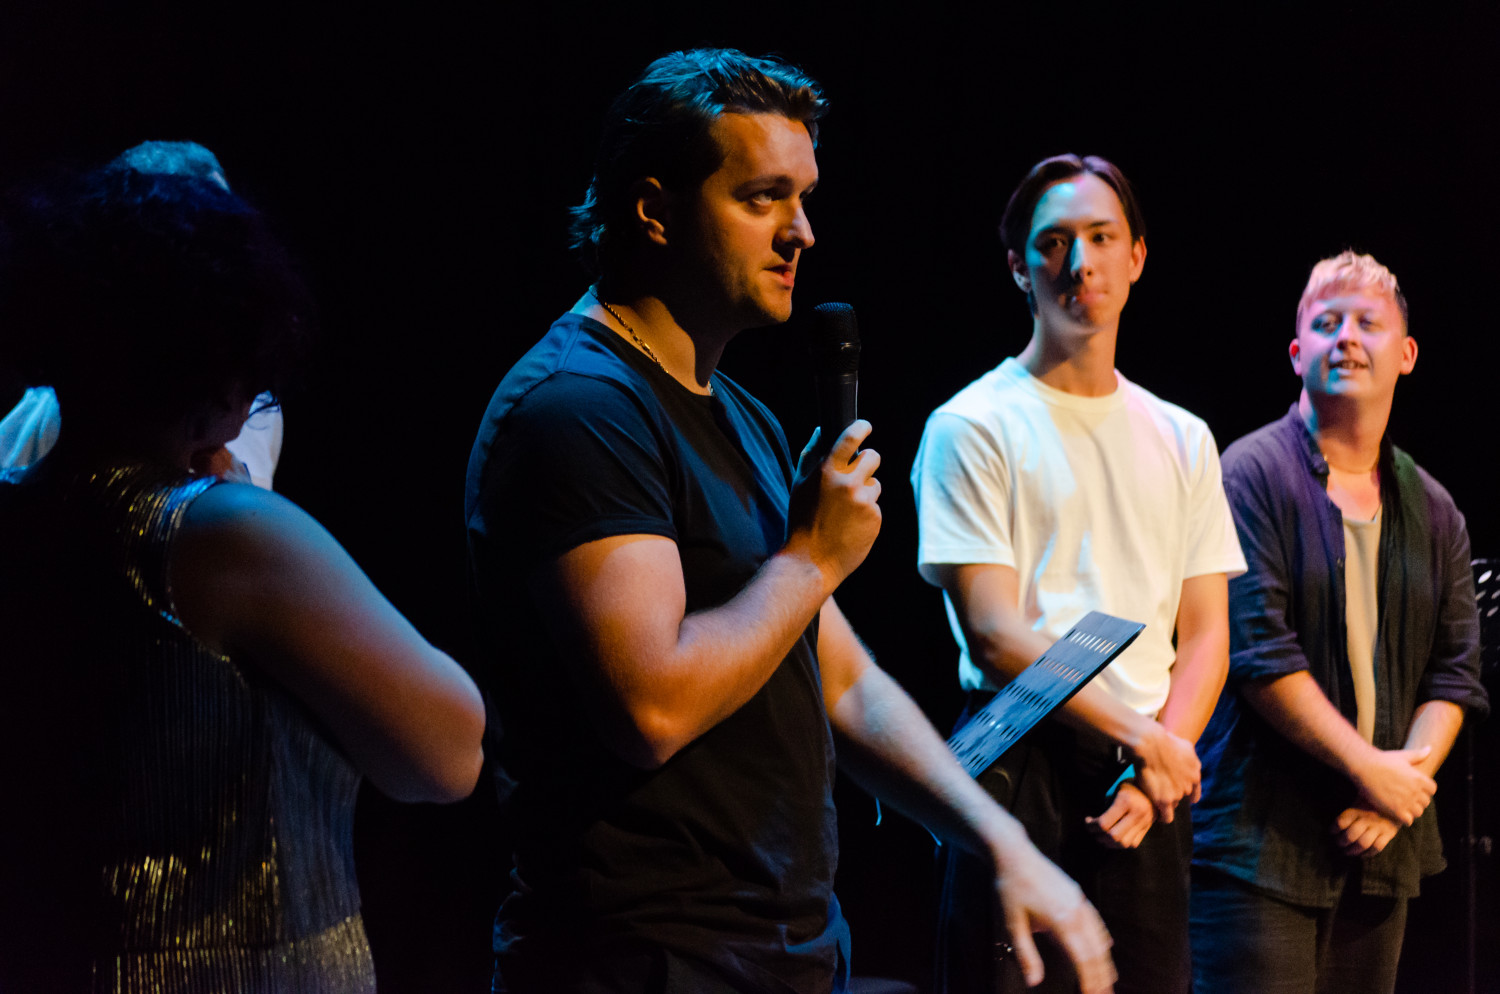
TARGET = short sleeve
(575,460)
(1213,545)
(963,496)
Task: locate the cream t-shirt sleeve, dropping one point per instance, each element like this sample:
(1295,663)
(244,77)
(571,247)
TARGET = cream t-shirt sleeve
(963,496)
(1213,544)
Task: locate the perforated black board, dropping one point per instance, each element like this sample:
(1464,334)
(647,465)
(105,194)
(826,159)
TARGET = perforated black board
(1071,662)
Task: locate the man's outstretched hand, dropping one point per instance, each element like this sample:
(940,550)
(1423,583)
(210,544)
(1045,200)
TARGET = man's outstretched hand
(1038,897)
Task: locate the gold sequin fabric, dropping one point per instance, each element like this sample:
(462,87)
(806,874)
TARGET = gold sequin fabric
(174,822)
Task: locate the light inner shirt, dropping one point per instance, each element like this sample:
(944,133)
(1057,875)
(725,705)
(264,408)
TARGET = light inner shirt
(1362,614)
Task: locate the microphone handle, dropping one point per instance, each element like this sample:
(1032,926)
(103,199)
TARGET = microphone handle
(838,402)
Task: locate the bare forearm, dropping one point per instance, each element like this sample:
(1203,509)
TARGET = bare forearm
(999,637)
(1435,724)
(1003,655)
(1202,662)
(1397,783)
(891,750)
(1296,707)
(1197,680)
(715,661)
(727,653)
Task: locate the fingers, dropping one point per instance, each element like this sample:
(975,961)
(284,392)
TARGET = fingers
(1027,957)
(864,465)
(1416,756)
(849,442)
(1124,824)
(805,458)
(1362,833)
(1087,942)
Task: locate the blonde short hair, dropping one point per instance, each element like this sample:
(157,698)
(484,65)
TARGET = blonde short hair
(1346,272)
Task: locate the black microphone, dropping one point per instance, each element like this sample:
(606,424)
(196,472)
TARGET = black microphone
(835,354)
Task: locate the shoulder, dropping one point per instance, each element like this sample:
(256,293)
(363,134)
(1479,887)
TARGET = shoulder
(1173,420)
(570,385)
(571,367)
(1269,450)
(981,411)
(231,518)
(993,395)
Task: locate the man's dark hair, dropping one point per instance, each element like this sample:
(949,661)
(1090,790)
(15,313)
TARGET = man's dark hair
(659,127)
(151,293)
(1015,224)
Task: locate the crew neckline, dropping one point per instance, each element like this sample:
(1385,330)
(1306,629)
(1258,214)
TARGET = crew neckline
(1012,368)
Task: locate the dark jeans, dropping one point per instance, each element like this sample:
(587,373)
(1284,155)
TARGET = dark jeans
(1247,942)
(1052,781)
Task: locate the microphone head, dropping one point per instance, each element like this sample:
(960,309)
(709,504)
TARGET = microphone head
(835,341)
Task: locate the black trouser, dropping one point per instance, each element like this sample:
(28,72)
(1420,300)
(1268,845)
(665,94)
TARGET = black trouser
(1051,782)
(1247,942)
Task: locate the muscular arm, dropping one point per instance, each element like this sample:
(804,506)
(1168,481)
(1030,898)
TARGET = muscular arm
(1002,642)
(1393,782)
(655,677)
(887,745)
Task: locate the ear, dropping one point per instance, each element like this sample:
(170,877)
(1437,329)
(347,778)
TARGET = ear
(652,209)
(1137,259)
(1408,354)
(1295,351)
(1018,271)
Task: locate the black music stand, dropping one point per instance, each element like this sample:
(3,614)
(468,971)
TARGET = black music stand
(1042,687)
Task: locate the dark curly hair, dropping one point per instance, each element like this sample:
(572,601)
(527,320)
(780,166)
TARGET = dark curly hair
(659,127)
(154,293)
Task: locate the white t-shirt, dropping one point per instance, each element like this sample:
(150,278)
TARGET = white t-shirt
(1098,503)
(29,431)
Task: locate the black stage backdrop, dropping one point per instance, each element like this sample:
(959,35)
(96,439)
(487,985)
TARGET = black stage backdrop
(420,161)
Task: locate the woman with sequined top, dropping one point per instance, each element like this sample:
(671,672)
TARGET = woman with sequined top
(194,674)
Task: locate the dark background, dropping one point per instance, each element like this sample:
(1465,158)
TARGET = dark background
(419,162)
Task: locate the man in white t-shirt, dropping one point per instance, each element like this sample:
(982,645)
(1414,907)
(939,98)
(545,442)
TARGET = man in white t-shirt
(1050,487)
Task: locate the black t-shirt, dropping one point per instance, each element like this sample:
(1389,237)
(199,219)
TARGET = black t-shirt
(726,853)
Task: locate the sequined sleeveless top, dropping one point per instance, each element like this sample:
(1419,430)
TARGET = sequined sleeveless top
(173,822)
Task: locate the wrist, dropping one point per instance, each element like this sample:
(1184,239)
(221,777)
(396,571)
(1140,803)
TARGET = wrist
(1004,839)
(1143,740)
(798,561)
(1357,765)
